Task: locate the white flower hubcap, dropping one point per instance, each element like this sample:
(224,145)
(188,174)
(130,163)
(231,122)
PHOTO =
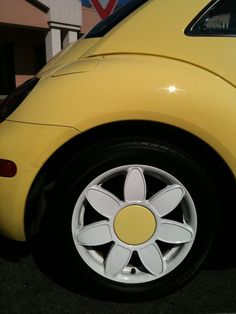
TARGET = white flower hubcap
(134,224)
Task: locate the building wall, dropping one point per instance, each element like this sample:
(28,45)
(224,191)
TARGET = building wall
(23,13)
(65,12)
(90,18)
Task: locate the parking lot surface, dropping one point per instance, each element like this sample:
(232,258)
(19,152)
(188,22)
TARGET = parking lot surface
(24,288)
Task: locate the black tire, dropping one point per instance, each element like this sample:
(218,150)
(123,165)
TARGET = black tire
(62,257)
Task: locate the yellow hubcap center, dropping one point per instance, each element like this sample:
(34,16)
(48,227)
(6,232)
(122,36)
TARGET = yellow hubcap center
(134,224)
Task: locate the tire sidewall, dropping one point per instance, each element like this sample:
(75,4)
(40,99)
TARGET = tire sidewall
(102,157)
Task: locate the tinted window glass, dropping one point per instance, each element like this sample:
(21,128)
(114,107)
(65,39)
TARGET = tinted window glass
(106,25)
(218,19)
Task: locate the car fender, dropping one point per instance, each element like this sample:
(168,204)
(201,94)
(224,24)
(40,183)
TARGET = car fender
(137,87)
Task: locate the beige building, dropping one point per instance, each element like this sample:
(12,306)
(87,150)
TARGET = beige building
(33,31)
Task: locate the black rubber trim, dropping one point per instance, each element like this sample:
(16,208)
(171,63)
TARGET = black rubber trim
(189,31)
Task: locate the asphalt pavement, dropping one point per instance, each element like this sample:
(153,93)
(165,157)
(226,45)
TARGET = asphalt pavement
(24,289)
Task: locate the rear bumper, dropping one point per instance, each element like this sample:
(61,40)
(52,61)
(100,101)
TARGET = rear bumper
(28,146)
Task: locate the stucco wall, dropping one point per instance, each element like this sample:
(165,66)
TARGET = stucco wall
(90,18)
(66,12)
(23,13)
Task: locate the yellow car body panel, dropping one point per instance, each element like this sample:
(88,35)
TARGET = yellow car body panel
(164,35)
(159,75)
(24,144)
(68,55)
(162,90)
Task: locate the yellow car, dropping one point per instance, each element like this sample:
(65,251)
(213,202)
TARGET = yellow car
(121,153)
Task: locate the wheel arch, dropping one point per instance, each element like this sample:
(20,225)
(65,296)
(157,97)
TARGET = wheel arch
(204,154)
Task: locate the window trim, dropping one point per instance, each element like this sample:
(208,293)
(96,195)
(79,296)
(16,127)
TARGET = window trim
(189,31)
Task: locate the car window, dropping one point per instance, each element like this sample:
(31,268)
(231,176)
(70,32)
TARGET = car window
(217,19)
(106,25)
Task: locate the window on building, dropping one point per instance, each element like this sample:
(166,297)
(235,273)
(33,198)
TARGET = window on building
(7,71)
(39,57)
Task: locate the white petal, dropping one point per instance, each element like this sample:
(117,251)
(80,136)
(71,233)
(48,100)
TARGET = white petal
(104,202)
(94,234)
(152,259)
(167,199)
(117,259)
(174,232)
(135,185)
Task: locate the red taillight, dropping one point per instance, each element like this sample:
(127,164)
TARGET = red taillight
(8,168)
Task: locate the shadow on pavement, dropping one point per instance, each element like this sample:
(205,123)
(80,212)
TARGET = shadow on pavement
(222,258)
(13,250)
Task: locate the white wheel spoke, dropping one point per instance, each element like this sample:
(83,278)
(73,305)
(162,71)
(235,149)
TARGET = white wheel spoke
(94,234)
(117,259)
(174,232)
(152,259)
(104,202)
(135,185)
(167,199)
